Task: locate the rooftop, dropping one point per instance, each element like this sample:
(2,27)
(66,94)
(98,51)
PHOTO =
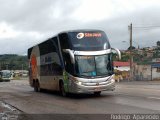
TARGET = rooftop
(121,64)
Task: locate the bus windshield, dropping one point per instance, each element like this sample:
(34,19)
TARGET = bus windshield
(6,74)
(91,66)
(89,41)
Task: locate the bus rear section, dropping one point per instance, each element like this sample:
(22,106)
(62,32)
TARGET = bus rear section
(45,65)
(73,62)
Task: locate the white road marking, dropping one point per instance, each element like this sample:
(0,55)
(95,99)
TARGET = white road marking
(158,98)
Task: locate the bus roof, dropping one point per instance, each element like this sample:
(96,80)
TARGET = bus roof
(82,30)
(67,31)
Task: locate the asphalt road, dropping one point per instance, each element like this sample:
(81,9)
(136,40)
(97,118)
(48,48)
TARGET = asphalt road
(128,98)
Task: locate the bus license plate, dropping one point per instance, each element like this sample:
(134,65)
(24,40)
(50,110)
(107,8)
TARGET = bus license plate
(97,89)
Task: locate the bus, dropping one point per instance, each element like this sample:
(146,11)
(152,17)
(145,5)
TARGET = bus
(78,61)
(5,75)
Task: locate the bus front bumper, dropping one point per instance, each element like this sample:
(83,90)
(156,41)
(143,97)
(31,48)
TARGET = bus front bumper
(80,87)
(5,79)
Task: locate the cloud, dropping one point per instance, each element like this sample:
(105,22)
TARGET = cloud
(7,31)
(28,22)
(117,28)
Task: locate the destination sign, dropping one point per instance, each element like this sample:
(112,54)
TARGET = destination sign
(92,34)
(82,35)
(85,57)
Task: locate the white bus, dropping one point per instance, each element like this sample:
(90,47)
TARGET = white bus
(78,61)
(5,75)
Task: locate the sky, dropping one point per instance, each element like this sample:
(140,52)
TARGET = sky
(24,23)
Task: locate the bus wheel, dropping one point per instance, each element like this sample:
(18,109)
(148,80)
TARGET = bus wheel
(62,90)
(36,87)
(98,93)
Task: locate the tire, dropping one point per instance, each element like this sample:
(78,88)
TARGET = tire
(37,87)
(62,90)
(98,93)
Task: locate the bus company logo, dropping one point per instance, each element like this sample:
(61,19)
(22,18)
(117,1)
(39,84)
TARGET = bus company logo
(93,34)
(80,35)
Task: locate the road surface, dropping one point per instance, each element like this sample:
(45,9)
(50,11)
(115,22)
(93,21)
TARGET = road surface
(128,98)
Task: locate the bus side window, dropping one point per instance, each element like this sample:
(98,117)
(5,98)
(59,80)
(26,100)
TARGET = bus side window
(64,42)
(0,74)
(68,65)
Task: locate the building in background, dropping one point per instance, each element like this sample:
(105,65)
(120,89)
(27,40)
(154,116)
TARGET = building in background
(122,70)
(155,69)
(142,72)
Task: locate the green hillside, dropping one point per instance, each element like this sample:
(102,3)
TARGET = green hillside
(13,62)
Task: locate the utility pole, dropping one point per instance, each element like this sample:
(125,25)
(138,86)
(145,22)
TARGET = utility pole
(22,68)
(131,56)
(6,66)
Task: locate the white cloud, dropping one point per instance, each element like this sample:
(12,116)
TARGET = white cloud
(28,22)
(93,10)
(97,10)
(6,31)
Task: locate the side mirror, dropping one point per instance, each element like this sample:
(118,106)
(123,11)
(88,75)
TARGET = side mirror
(117,52)
(70,53)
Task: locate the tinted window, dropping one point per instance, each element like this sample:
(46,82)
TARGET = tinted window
(91,41)
(68,65)
(47,47)
(51,63)
(63,38)
(29,52)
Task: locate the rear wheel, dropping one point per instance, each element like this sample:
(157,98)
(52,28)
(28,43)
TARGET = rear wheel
(98,93)
(36,86)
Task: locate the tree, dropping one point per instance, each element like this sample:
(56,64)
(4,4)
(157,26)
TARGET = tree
(133,48)
(13,62)
(158,43)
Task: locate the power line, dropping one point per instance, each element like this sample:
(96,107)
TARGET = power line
(146,27)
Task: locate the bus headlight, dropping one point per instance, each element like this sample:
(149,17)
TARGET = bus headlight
(112,80)
(75,80)
(80,83)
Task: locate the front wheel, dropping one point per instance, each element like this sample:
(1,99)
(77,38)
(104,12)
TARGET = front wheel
(62,90)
